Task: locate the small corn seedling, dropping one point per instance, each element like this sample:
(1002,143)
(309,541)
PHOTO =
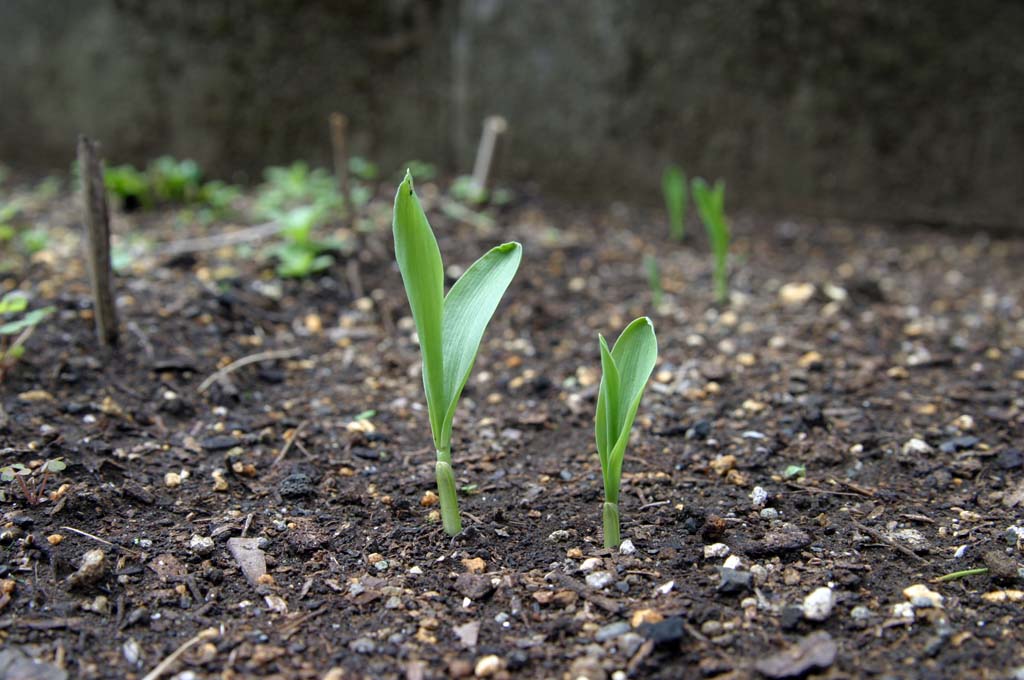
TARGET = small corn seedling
(673,186)
(710,205)
(449,327)
(32,491)
(654,279)
(625,370)
(20,325)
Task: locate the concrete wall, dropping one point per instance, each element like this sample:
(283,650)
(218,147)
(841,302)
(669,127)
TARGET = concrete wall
(901,111)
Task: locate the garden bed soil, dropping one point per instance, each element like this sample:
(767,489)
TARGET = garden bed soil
(892,382)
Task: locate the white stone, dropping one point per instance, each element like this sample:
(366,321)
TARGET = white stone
(590,564)
(627,548)
(732,562)
(716,551)
(922,598)
(916,445)
(600,579)
(487,666)
(903,610)
(818,605)
(758,497)
(796,294)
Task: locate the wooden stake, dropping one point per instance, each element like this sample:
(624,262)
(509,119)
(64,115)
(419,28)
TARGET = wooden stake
(493,127)
(97,240)
(339,126)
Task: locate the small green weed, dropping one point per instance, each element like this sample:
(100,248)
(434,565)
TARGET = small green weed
(673,187)
(710,205)
(32,490)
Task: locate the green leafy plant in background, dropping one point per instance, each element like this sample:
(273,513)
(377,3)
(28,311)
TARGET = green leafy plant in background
(464,189)
(673,187)
(625,370)
(710,205)
(653,279)
(363,169)
(450,327)
(300,254)
(32,491)
(129,185)
(296,185)
(17,327)
(173,180)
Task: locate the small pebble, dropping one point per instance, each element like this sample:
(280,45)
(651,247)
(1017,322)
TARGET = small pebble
(715,551)
(818,604)
(487,666)
(219,483)
(758,497)
(769,513)
(600,579)
(611,631)
(556,536)
(922,598)
(916,446)
(201,545)
(734,581)
(627,547)
(172,480)
(590,564)
(861,613)
(903,610)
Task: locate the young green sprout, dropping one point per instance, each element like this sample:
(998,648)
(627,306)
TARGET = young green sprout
(710,205)
(673,186)
(653,279)
(449,327)
(625,370)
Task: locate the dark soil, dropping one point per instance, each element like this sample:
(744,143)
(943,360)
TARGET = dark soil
(907,335)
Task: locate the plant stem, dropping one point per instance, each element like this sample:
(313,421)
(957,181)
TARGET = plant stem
(961,574)
(446,491)
(610,512)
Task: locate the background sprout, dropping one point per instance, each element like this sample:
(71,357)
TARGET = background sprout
(16,326)
(673,186)
(653,279)
(710,205)
(624,373)
(449,327)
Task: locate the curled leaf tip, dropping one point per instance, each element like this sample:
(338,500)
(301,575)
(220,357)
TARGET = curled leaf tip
(508,247)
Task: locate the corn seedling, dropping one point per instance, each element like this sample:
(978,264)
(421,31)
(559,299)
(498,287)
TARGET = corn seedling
(17,327)
(300,254)
(449,327)
(31,490)
(673,186)
(625,370)
(129,185)
(653,279)
(710,205)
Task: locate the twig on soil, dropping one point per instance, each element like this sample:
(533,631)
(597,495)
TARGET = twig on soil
(269,355)
(288,443)
(195,245)
(164,665)
(956,575)
(101,540)
(879,536)
(292,627)
(653,505)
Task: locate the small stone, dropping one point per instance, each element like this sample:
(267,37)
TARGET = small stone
(758,497)
(796,294)
(922,598)
(1011,459)
(818,604)
(642,616)
(219,483)
(362,645)
(861,613)
(663,632)
(903,611)
(817,651)
(558,535)
(734,581)
(627,547)
(92,568)
(489,665)
(732,562)
(1000,566)
(916,446)
(611,631)
(964,423)
(600,579)
(590,564)
(474,586)
(711,628)
(791,617)
(429,499)
(666,588)
(474,565)
(722,464)
(587,668)
(769,513)
(201,545)
(219,442)
(172,480)
(574,554)
(55,539)
(962,443)
(716,551)
(810,360)
(297,485)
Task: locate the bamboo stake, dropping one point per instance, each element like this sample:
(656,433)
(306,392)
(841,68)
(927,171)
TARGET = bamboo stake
(97,240)
(494,126)
(339,147)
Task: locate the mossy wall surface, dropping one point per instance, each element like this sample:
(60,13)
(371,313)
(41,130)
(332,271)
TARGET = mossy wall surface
(902,111)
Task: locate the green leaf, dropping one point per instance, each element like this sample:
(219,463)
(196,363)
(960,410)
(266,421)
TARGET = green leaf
(419,261)
(13,303)
(31,319)
(625,371)
(467,310)
(55,465)
(673,186)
